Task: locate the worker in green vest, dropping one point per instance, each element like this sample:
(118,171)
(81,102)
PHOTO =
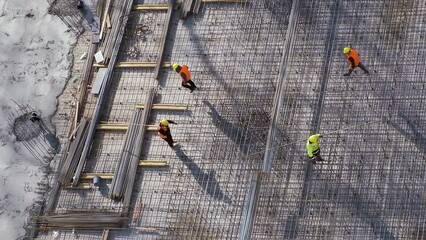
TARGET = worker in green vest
(313,149)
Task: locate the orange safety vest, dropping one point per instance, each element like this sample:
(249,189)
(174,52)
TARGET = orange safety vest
(185,70)
(353,53)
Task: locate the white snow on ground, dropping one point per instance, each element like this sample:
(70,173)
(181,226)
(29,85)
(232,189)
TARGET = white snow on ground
(34,66)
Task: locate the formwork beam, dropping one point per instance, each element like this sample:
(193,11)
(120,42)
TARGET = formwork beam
(81,185)
(165,106)
(152,163)
(113,126)
(133,65)
(150,7)
(105,234)
(87,176)
(121,127)
(108,176)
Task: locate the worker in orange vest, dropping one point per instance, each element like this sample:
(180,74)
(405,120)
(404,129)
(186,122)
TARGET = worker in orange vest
(352,56)
(185,75)
(164,131)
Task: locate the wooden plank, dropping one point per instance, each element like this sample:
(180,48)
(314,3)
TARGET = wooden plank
(108,21)
(146,229)
(151,127)
(98,81)
(121,126)
(113,126)
(153,163)
(150,7)
(133,65)
(105,234)
(89,176)
(165,106)
(106,9)
(81,185)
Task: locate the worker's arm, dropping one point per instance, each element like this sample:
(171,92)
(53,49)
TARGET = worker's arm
(183,76)
(172,122)
(161,135)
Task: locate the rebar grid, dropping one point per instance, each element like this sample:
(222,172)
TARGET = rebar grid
(371,185)
(226,121)
(366,189)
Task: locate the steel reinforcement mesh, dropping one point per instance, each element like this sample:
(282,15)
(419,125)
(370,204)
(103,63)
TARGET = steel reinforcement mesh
(371,184)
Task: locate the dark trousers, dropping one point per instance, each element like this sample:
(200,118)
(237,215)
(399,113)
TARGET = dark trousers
(169,140)
(360,66)
(189,84)
(317,156)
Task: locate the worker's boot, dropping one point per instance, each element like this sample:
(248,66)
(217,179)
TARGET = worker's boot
(349,72)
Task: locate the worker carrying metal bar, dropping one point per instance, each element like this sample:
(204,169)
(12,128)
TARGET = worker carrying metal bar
(185,75)
(313,149)
(164,131)
(352,56)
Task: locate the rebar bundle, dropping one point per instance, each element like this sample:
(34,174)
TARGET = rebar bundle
(74,153)
(370,184)
(128,161)
(85,220)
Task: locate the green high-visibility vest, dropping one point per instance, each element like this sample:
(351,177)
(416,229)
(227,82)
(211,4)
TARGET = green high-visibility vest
(312,147)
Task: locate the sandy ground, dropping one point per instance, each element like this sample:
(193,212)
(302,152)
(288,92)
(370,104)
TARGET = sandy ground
(34,66)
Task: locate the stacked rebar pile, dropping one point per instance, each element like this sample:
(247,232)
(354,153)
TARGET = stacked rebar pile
(119,15)
(128,162)
(88,220)
(73,156)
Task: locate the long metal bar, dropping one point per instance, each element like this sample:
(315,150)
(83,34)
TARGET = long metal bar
(251,202)
(250,206)
(282,81)
(131,174)
(103,93)
(163,39)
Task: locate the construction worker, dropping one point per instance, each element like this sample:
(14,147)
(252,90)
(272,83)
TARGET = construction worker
(185,75)
(354,60)
(164,131)
(313,149)
(34,116)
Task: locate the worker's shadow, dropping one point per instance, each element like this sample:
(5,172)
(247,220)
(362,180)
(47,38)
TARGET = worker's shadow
(50,138)
(236,134)
(206,179)
(90,18)
(103,188)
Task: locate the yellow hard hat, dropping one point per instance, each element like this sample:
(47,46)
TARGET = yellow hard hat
(174,66)
(346,50)
(313,139)
(164,122)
